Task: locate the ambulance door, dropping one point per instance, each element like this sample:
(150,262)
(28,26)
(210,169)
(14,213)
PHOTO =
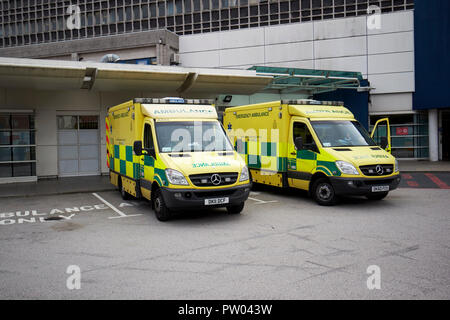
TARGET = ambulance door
(301,163)
(147,160)
(381,134)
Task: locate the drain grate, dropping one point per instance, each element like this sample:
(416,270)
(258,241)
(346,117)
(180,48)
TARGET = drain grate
(52,218)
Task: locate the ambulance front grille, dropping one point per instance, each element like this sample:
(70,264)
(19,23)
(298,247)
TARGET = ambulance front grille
(371,170)
(207,179)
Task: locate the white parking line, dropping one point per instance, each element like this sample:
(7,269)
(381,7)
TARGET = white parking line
(262,201)
(121,214)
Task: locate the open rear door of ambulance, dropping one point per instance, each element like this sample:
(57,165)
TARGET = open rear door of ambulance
(381,134)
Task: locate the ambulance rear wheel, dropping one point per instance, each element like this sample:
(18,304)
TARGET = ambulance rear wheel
(236,209)
(161,211)
(125,195)
(323,192)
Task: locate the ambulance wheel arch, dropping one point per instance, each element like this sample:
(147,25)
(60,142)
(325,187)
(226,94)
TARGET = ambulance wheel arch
(155,187)
(322,190)
(125,195)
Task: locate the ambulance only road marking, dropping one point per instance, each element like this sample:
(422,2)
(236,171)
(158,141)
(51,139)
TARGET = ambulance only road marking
(34,216)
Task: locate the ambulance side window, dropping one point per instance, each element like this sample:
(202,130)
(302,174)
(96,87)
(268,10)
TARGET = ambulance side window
(148,137)
(301,130)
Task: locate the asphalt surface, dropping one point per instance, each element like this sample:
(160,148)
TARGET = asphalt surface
(283,246)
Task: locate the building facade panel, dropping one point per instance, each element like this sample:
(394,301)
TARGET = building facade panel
(391,42)
(392,82)
(391,63)
(287,52)
(342,47)
(351,63)
(241,56)
(287,33)
(340,28)
(390,103)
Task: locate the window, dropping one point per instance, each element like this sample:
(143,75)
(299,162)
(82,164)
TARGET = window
(148,137)
(409,134)
(342,133)
(17,145)
(301,130)
(97,12)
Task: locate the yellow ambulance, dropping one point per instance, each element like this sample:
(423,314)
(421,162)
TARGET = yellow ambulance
(175,153)
(311,145)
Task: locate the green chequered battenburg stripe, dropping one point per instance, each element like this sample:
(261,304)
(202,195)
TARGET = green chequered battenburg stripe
(162,174)
(123,167)
(149,161)
(306,155)
(116,152)
(129,153)
(268,149)
(330,166)
(136,171)
(282,164)
(254,161)
(111,162)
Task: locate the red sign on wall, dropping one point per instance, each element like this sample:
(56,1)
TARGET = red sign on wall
(401,131)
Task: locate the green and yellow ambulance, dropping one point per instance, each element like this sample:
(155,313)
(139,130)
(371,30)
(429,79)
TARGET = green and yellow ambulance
(311,145)
(175,153)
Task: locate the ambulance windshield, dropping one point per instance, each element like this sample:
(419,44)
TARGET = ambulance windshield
(342,133)
(191,136)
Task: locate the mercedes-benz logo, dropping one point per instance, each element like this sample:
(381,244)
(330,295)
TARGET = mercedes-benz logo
(216,179)
(379,169)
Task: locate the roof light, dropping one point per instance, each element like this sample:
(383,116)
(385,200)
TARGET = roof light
(173,100)
(312,102)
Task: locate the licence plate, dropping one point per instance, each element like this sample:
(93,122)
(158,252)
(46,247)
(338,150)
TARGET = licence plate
(380,188)
(209,202)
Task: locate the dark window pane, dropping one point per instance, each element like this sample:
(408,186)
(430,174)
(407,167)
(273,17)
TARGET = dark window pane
(88,122)
(5,154)
(5,137)
(21,137)
(22,169)
(20,121)
(5,170)
(5,122)
(23,153)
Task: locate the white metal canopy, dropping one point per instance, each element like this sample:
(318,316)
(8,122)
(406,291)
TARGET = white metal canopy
(73,75)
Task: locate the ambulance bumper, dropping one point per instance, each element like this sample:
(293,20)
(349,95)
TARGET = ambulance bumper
(363,186)
(197,198)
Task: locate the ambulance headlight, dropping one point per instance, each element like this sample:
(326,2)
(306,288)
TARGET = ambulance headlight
(397,169)
(347,168)
(244,174)
(176,177)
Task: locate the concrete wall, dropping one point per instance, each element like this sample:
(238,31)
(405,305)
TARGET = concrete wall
(384,56)
(153,43)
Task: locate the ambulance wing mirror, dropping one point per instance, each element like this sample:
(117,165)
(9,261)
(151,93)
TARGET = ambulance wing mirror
(383,143)
(298,142)
(137,148)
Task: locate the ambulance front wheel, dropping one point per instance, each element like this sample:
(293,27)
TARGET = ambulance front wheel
(323,192)
(161,211)
(236,209)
